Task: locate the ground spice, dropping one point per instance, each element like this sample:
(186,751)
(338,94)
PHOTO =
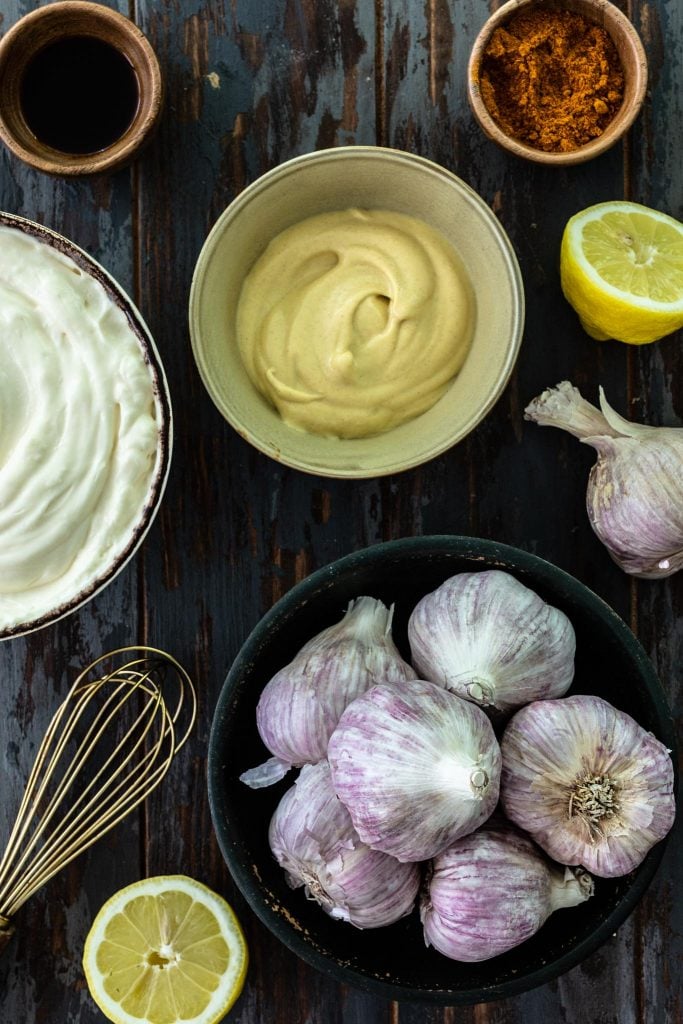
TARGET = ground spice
(552,79)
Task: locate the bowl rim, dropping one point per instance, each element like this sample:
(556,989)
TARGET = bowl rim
(495,554)
(251,193)
(617,127)
(162,398)
(46,158)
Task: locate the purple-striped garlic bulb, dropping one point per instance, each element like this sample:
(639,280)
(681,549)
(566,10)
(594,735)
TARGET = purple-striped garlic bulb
(635,489)
(416,767)
(587,783)
(492,890)
(313,839)
(302,703)
(493,641)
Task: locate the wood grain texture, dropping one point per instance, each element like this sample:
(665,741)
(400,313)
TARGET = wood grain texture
(41,978)
(656,396)
(254,84)
(522,485)
(251,83)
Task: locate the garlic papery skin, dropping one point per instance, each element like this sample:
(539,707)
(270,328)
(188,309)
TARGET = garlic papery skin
(587,783)
(635,489)
(416,767)
(491,640)
(313,839)
(302,703)
(492,890)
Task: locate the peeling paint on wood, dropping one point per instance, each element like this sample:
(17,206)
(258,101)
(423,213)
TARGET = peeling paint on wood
(249,84)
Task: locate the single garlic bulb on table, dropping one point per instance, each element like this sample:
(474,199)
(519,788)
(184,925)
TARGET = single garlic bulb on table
(416,767)
(302,703)
(313,839)
(587,783)
(635,489)
(493,641)
(492,890)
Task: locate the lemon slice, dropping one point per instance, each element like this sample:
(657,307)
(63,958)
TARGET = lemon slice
(165,950)
(621,266)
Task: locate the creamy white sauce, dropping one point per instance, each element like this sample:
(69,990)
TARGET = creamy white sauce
(79,429)
(354,321)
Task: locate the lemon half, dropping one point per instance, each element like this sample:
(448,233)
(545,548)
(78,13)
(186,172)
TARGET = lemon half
(621,266)
(165,950)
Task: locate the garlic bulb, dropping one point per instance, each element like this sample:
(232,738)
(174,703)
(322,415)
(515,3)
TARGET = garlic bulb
(313,839)
(416,767)
(302,703)
(493,641)
(492,890)
(587,783)
(635,489)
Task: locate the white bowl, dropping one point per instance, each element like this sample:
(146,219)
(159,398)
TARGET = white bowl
(368,177)
(99,575)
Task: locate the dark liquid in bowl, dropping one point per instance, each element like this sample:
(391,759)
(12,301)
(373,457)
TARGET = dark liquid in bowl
(79,94)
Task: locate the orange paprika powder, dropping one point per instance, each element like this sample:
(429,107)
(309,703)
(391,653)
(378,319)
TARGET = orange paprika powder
(552,79)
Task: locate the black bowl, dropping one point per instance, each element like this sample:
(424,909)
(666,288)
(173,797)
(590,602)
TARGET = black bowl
(394,962)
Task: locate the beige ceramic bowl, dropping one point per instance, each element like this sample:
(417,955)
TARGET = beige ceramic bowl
(65,20)
(631,55)
(371,178)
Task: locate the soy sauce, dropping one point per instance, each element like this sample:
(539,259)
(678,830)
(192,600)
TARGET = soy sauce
(79,94)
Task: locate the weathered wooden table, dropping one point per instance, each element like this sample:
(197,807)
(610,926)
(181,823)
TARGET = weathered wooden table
(251,83)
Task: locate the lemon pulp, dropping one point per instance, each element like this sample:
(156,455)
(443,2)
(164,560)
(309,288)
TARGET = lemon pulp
(165,950)
(621,266)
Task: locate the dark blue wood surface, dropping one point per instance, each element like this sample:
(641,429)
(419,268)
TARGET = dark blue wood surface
(251,83)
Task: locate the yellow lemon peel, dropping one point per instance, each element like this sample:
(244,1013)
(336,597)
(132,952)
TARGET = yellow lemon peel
(165,950)
(621,267)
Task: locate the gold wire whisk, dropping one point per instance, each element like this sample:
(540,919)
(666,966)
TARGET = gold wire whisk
(108,746)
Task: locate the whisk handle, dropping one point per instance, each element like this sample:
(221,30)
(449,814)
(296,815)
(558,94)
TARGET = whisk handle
(6,932)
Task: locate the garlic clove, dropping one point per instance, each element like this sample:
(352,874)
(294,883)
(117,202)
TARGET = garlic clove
(587,783)
(493,641)
(490,891)
(267,774)
(635,489)
(302,703)
(313,839)
(637,514)
(416,767)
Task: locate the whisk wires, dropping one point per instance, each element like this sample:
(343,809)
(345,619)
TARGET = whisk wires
(106,749)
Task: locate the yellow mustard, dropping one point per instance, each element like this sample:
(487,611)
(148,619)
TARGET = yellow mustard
(354,321)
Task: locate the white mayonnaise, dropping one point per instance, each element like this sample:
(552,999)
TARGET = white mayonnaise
(79,429)
(354,321)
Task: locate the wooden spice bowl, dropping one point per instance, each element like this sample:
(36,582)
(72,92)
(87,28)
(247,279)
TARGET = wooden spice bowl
(631,55)
(69,20)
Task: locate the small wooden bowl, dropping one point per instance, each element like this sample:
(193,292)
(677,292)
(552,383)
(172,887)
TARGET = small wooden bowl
(68,19)
(631,55)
